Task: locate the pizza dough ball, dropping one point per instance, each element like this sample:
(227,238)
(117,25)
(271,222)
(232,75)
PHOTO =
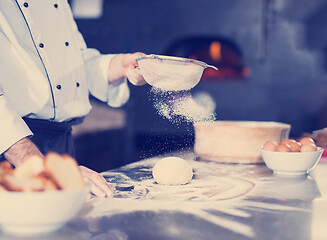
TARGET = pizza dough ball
(172,170)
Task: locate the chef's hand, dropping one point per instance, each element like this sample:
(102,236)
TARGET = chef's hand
(99,186)
(124,65)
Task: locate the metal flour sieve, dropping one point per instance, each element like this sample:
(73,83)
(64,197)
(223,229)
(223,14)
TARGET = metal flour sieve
(169,73)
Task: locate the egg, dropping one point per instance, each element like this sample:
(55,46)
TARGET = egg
(307,140)
(308,148)
(295,146)
(283,148)
(270,145)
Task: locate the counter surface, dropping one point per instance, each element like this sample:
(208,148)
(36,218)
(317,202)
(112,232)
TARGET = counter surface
(223,201)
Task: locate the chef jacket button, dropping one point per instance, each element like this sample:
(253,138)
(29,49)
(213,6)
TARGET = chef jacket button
(26,4)
(55,5)
(58,86)
(41,45)
(77,84)
(67,43)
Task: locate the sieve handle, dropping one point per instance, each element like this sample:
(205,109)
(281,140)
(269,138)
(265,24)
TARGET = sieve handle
(207,66)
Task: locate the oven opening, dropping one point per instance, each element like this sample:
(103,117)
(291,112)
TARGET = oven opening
(216,51)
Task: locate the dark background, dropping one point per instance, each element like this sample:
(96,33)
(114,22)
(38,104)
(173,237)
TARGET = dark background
(283,43)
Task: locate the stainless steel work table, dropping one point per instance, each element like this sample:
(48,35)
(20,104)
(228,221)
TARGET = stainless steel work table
(223,201)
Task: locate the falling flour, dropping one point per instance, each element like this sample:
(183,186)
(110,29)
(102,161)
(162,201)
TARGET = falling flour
(179,106)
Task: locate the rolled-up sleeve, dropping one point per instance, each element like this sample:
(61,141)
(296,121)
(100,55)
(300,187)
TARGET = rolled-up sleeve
(12,126)
(96,65)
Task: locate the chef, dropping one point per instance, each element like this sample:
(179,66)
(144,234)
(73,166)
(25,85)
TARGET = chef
(46,75)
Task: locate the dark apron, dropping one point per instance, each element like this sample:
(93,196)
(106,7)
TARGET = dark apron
(53,136)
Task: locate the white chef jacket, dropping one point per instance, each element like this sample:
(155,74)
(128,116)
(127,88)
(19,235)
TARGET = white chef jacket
(46,70)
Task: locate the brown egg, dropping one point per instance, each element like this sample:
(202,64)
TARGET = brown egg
(270,145)
(287,141)
(283,148)
(307,140)
(308,148)
(295,146)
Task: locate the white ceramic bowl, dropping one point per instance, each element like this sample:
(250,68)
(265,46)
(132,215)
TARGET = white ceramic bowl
(291,163)
(26,213)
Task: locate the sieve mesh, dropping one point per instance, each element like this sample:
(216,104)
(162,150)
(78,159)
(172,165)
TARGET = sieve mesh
(171,73)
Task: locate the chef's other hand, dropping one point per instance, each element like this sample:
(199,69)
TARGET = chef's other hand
(99,186)
(125,65)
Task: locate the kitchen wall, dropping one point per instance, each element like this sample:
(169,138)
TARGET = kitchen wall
(284,43)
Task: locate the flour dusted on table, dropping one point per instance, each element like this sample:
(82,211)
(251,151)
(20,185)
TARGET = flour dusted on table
(220,194)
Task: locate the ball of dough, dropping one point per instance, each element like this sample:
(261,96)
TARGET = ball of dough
(172,170)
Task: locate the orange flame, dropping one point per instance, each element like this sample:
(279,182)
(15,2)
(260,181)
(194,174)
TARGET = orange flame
(215,51)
